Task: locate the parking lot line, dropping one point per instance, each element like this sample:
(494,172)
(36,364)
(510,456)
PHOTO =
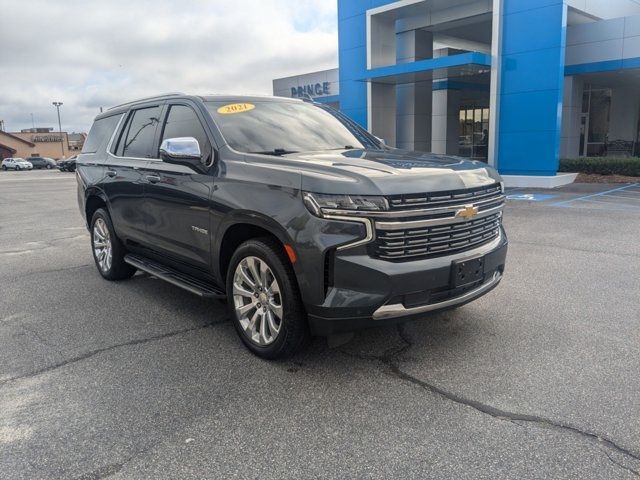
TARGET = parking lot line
(623,197)
(606,194)
(620,206)
(595,194)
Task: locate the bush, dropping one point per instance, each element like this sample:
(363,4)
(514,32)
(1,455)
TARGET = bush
(602,166)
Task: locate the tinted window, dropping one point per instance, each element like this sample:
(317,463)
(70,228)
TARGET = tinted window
(182,121)
(137,138)
(100,134)
(287,125)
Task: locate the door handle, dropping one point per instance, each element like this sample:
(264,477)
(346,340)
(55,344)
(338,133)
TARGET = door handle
(111,173)
(152,178)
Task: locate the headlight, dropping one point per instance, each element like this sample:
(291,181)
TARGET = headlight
(318,203)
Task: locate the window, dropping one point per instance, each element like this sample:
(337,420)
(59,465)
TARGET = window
(293,126)
(474,132)
(100,134)
(596,107)
(138,135)
(182,121)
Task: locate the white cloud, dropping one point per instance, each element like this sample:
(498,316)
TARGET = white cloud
(99,53)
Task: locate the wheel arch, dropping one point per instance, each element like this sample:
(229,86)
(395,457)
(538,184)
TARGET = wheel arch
(94,199)
(237,230)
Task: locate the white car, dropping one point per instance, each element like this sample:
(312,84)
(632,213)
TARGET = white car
(16,164)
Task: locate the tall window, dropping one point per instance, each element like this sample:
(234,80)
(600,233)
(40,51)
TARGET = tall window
(474,132)
(596,109)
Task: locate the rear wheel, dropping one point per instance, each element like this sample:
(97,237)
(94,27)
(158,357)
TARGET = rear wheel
(264,300)
(108,251)
(4,167)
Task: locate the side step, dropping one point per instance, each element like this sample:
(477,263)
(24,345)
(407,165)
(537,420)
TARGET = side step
(174,277)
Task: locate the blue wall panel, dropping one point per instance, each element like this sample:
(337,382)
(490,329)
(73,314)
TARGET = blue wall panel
(352,57)
(513,6)
(524,161)
(531,86)
(532,29)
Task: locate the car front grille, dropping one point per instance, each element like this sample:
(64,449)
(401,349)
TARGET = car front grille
(433,225)
(437,240)
(444,199)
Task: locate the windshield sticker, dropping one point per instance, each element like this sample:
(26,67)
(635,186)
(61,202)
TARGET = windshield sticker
(236,108)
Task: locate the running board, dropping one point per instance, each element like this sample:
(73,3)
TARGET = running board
(174,277)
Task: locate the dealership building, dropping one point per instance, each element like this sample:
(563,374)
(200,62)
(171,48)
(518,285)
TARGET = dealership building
(518,84)
(40,142)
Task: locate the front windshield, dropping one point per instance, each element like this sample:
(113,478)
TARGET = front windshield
(280,127)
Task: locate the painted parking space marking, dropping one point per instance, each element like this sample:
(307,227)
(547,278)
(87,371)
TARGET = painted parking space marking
(635,196)
(531,197)
(618,199)
(613,203)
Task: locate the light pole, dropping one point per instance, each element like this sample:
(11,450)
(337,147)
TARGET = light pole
(58,105)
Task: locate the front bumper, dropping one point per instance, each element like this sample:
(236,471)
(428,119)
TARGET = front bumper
(370,292)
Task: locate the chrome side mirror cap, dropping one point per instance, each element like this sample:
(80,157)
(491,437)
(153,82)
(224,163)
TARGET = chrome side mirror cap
(181,148)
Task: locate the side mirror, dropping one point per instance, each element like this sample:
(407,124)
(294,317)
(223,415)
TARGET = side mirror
(181,151)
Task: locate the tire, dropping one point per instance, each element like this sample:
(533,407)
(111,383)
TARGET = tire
(18,168)
(293,330)
(113,268)
(4,167)
(48,167)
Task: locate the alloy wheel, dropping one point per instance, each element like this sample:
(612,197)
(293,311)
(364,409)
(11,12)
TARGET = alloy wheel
(257,301)
(102,245)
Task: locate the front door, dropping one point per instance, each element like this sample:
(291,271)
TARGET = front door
(177,197)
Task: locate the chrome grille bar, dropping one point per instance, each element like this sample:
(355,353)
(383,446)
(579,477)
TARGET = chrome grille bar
(436,199)
(435,241)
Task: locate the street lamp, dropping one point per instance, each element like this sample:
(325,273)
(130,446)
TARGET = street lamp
(58,105)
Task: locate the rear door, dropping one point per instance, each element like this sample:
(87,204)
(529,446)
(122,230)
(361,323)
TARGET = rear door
(125,171)
(177,196)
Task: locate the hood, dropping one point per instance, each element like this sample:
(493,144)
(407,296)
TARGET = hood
(386,172)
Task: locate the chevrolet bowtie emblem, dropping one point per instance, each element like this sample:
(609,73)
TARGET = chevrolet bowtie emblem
(468,212)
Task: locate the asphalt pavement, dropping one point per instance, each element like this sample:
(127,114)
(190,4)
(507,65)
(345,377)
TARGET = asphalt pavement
(139,379)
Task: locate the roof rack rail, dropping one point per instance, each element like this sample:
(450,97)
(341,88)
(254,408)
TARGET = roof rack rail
(154,97)
(307,98)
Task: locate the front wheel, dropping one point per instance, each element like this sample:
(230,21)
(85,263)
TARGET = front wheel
(18,168)
(48,167)
(264,300)
(108,251)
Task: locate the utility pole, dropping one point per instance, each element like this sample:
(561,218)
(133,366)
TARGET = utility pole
(58,105)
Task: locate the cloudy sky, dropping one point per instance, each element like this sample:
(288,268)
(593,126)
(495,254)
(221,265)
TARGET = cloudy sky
(93,53)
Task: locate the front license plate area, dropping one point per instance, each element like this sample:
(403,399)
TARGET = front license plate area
(467,271)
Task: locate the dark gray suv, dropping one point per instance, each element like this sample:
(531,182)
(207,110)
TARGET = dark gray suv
(304,221)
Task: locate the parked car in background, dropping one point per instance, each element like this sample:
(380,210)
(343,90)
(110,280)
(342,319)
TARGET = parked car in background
(16,164)
(42,162)
(68,165)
